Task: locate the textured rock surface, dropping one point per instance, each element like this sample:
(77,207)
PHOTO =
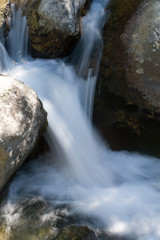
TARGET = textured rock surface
(141,39)
(127,104)
(22,122)
(76,233)
(27,224)
(3,22)
(54,25)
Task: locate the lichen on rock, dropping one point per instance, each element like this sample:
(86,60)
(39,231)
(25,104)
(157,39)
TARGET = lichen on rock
(22,122)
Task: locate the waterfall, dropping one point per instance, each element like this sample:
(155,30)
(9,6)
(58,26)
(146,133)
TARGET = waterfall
(87,54)
(119,189)
(5,61)
(17,40)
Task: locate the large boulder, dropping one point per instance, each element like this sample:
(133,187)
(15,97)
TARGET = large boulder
(54,25)
(22,122)
(142,44)
(127,105)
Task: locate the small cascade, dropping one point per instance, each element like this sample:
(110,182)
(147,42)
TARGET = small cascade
(17,40)
(5,61)
(89,90)
(87,54)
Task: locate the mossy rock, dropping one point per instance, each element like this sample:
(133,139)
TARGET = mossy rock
(76,233)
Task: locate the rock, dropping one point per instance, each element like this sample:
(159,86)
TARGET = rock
(54,25)
(37,233)
(37,219)
(4,27)
(22,122)
(27,223)
(127,106)
(142,44)
(76,233)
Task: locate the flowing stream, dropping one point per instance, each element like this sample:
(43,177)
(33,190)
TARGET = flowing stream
(114,192)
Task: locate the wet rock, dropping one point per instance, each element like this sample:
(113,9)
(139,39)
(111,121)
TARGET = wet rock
(76,233)
(33,232)
(26,221)
(22,123)
(37,219)
(54,25)
(127,106)
(33,219)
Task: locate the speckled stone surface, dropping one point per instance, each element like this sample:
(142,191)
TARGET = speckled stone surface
(127,102)
(142,41)
(54,25)
(22,122)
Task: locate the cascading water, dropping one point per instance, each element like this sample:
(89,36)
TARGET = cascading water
(120,190)
(5,61)
(87,54)
(17,40)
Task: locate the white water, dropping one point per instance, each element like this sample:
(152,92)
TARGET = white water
(87,54)
(17,40)
(121,190)
(5,61)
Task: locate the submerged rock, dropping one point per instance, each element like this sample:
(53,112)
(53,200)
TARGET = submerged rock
(127,105)
(22,122)
(76,233)
(38,219)
(54,25)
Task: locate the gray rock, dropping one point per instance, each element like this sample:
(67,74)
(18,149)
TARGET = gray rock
(141,39)
(54,25)
(22,122)
(128,98)
(63,15)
